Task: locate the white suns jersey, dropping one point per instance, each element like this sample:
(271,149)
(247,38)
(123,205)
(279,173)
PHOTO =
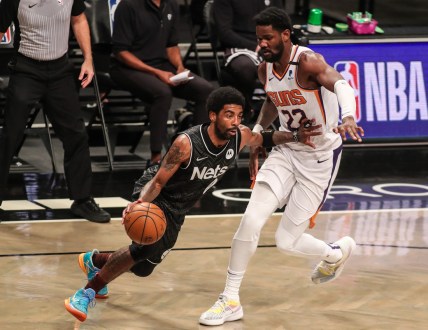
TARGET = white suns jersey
(294,103)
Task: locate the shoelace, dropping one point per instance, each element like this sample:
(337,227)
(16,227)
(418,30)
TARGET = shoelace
(220,303)
(94,206)
(89,295)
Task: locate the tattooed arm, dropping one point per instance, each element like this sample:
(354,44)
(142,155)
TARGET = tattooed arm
(178,153)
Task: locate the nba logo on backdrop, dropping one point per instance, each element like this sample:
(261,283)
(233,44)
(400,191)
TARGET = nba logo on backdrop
(7,38)
(350,72)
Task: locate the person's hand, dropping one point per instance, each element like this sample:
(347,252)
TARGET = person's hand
(86,73)
(254,160)
(165,76)
(181,68)
(350,127)
(306,130)
(129,208)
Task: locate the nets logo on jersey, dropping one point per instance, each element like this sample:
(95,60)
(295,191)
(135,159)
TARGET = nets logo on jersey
(7,38)
(208,173)
(350,72)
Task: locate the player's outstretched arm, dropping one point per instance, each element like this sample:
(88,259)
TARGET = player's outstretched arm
(178,153)
(316,70)
(270,138)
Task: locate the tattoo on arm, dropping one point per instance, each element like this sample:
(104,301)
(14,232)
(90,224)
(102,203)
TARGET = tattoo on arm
(173,157)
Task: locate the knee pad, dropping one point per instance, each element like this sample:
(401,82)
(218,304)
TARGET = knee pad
(143,268)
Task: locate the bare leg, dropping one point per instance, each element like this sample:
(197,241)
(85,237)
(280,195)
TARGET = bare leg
(119,262)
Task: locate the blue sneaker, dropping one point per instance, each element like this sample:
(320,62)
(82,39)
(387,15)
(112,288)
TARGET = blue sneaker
(85,263)
(78,304)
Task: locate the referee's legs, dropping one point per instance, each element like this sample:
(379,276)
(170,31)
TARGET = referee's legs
(23,92)
(63,110)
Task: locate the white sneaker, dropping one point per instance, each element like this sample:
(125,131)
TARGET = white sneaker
(224,310)
(326,271)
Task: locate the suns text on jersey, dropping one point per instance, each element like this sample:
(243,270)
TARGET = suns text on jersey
(286,98)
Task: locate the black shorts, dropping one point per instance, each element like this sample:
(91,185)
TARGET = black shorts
(149,256)
(157,251)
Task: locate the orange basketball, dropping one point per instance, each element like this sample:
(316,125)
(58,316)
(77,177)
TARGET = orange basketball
(145,223)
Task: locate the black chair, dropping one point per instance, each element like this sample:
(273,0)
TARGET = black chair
(198,33)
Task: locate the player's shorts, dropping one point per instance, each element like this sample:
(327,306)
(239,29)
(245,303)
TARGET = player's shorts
(300,179)
(155,253)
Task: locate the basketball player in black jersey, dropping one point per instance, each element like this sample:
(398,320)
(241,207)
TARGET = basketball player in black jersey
(196,160)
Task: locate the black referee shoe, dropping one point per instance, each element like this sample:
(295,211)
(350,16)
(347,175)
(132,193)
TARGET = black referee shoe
(90,210)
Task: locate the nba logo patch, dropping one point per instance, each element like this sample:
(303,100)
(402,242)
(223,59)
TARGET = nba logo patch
(350,73)
(7,38)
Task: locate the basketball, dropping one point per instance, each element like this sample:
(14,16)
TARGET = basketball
(145,223)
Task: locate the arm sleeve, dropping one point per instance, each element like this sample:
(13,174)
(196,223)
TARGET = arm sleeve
(223,17)
(8,13)
(123,35)
(346,98)
(78,7)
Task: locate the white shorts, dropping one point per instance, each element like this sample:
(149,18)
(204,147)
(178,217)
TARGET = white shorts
(300,179)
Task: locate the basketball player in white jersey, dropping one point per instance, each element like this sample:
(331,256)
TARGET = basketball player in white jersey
(301,88)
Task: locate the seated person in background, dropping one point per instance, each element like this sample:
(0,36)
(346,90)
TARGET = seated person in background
(146,55)
(235,30)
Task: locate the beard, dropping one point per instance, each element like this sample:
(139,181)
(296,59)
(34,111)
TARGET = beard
(274,56)
(221,134)
(224,135)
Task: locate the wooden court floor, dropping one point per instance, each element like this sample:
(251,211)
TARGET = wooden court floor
(384,286)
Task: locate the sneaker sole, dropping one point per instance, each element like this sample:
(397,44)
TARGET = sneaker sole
(342,265)
(83,268)
(234,317)
(77,314)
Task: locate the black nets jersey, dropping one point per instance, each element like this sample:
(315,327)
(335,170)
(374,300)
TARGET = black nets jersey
(206,166)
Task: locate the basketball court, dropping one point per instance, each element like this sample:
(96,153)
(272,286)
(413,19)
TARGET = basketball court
(383,285)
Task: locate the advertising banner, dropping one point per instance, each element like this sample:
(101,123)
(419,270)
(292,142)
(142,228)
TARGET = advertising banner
(390,81)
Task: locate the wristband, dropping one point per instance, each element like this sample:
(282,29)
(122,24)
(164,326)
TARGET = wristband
(296,136)
(257,128)
(267,138)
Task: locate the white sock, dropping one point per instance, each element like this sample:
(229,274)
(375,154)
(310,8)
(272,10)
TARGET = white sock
(233,283)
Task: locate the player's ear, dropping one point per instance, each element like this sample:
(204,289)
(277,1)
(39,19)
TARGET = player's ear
(285,35)
(213,116)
